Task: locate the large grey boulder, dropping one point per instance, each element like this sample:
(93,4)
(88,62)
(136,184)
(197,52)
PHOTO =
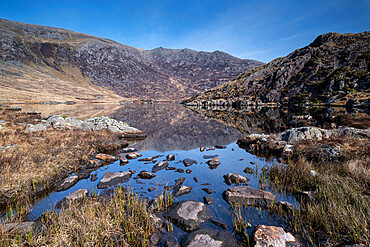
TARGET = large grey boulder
(37,127)
(188,215)
(295,135)
(272,236)
(110,179)
(248,196)
(208,237)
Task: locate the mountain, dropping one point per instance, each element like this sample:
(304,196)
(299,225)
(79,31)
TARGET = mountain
(330,70)
(39,62)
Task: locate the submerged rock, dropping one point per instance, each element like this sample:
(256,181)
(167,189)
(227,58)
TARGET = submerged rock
(209,237)
(188,215)
(188,162)
(69,182)
(73,197)
(232,178)
(248,196)
(160,166)
(145,175)
(110,179)
(272,236)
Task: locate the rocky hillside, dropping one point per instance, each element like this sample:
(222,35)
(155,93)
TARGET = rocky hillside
(332,69)
(34,57)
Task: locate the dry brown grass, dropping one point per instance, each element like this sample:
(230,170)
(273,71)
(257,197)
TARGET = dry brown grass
(339,212)
(41,158)
(118,221)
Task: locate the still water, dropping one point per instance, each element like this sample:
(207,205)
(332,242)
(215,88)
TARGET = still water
(173,129)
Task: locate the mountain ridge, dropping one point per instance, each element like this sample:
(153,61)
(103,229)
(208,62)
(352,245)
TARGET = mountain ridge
(330,70)
(111,67)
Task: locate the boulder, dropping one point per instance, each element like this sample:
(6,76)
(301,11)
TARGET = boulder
(188,162)
(248,196)
(133,155)
(106,157)
(188,215)
(170,157)
(295,135)
(160,166)
(145,175)
(181,190)
(208,237)
(232,178)
(110,179)
(37,127)
(67,183)
(214,163)
(272,236)
(75,196)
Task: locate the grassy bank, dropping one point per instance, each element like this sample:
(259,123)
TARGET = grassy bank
(338,212)
(33,162)
(120,220)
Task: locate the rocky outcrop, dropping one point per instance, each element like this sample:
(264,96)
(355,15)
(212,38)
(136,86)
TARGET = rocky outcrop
(329,70)
(272,236)
(130,72)
(248,196)
(188,215)
(209,237)
(91,124)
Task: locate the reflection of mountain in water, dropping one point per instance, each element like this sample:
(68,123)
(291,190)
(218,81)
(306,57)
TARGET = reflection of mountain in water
(173,127)
(264,120)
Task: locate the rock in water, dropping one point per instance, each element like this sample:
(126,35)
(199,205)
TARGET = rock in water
(232,178)
(160,166)
(248,196)
(170,157)
(110,179)
(188,215)
(208,237)
(133,155)
(214,163)
(106,157)
(272,236)
(67,183)
(188,162)
(181,190)
(145,175)
(75,196)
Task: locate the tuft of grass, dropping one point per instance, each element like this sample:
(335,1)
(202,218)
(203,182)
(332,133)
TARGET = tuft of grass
(121,220)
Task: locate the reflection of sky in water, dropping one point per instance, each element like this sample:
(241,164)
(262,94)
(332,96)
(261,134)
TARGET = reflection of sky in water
(174,129)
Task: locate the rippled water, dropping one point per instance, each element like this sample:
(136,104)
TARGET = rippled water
(173,129)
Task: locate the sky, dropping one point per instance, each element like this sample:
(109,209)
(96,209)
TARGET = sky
(255,29)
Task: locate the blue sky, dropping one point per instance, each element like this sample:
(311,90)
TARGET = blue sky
(261,29)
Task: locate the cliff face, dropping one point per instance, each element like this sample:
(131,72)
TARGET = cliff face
(130,72)
(331,69)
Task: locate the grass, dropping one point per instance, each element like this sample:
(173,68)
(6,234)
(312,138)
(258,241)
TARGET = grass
(339,213)
(42,158)
(121,220)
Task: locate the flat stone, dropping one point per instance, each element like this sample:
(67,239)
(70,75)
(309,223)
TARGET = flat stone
(75,196)
(188,215)
(23,228)
(220,146)
(110,179)
(248,196)
(68,182)
(208,190)
(214,163)
(181,190)
(145,175)
(180,170)
(128,150)
(210,156)
(272,236)
(188,162)
(219,224)
(170,168)
(133,155)
(208,237)
(232,178)
(94,163)
(180,181)
(170,157)
(37,127)
(160,166)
